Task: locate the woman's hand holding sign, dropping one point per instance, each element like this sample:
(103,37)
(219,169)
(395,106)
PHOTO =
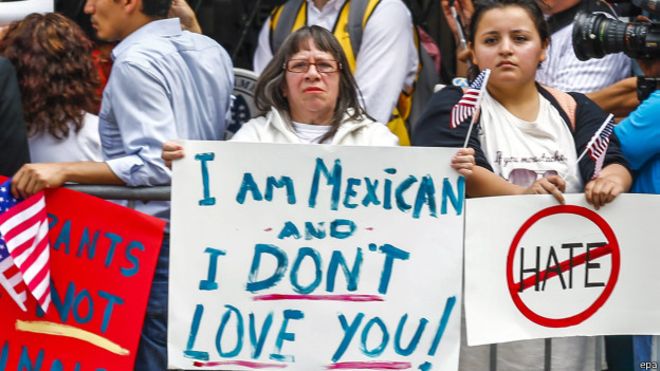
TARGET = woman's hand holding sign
(171,151)
(552,184)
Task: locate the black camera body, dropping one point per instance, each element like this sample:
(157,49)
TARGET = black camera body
(646,86)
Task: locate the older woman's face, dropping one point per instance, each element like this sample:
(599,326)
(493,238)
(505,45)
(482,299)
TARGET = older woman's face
(312,94)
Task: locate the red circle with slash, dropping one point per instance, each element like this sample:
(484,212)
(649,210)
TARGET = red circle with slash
(612,248)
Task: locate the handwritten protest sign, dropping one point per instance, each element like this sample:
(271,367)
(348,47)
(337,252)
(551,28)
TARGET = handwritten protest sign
(540,269)
(17,10)
(305,257)
(103,258)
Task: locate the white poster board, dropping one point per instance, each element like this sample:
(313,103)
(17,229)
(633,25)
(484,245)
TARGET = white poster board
(537,269)
(17,10)
(350,260)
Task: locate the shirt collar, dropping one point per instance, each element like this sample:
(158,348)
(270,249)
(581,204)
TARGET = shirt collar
(161,27)
(336,4)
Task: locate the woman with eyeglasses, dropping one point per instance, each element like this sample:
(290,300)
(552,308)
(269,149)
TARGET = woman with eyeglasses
(527,137)
(310,97)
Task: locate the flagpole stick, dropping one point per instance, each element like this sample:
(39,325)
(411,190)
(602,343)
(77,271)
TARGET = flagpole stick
(593,139)
(467,138)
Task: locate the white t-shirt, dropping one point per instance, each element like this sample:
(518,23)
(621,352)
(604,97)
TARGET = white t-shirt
(310,134)
(84,145)
(521,152)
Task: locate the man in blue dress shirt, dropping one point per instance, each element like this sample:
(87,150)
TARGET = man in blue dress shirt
(165,84)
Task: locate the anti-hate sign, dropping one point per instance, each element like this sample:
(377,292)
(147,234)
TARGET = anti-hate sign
(534,268)
(312,257)
(102,260)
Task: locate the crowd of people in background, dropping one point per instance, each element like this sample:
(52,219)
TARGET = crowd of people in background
(67,117)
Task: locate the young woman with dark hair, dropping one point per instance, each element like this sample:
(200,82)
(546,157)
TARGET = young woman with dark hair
(523,128)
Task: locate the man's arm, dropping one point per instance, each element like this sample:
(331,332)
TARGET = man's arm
(13,137)
(33,178)
(144,120)
(180,9)
(387,59)
(619,98)
(639,133)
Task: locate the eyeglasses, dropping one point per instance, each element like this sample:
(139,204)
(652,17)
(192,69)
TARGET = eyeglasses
(302,65)
(526,177)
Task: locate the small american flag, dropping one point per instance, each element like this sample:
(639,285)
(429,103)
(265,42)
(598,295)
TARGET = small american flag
(24,248)
(11,278)
(469,103)
(599,147)
(602,141)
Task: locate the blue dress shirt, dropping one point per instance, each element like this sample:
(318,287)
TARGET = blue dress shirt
(165,84)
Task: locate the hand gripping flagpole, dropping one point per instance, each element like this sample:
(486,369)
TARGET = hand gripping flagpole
(593,139)
(478,106)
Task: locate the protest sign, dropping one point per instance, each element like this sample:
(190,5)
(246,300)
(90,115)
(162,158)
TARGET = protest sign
(539,269)
(310,257)
(103,258)
(16,10)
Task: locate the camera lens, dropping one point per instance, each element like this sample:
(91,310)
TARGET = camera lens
(595,35)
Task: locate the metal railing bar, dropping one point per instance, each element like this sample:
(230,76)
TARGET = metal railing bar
(493,357)
(547,362)
(110,192)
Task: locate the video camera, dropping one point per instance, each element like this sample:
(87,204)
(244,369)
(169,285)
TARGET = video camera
(598,34)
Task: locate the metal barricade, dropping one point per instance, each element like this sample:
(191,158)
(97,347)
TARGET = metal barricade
(108,192)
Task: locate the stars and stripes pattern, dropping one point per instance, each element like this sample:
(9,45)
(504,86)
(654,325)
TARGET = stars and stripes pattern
(24,240)
(469,102)
(599,146)
(602,141)
(11,278)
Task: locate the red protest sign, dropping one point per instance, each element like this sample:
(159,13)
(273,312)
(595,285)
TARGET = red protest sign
(556,268)
(103,258)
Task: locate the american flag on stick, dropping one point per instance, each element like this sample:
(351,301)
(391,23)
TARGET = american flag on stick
(24,247)
(597,146)
(469,102)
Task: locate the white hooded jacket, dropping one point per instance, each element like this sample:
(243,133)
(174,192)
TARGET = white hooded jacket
(272,128)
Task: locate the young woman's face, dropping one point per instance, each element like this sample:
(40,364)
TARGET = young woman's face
(507,41)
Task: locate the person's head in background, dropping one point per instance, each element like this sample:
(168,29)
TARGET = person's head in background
(309,80)
(114,20)
(551,7)
(56,75)
(510,37)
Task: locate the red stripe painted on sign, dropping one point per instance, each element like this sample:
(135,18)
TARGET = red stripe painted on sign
(354,298)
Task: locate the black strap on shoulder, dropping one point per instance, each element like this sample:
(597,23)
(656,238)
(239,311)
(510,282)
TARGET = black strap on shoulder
(285,23)
(355,16)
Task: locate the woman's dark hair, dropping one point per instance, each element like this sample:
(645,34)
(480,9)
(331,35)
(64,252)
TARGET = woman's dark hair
(530,6)
(270,85)
(58,80)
